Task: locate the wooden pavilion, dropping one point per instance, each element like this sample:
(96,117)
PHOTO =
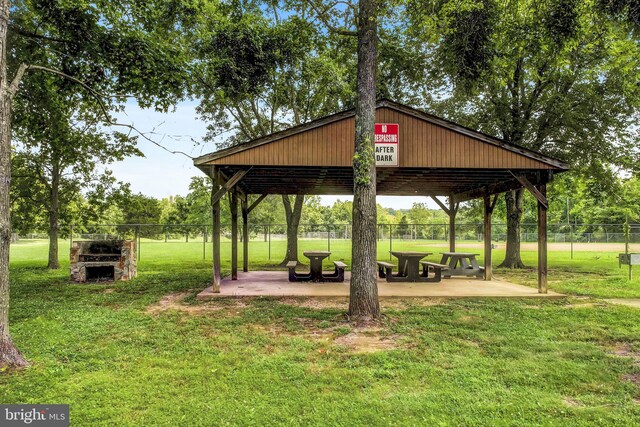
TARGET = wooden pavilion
(432,157)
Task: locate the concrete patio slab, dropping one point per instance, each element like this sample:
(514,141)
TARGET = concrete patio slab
(276,283)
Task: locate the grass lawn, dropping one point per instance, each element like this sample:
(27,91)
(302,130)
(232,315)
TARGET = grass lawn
(147,353)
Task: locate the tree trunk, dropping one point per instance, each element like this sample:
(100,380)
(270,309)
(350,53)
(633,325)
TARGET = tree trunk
(9,354)
(293,223)
(54,205)
(514,201)
(363,298)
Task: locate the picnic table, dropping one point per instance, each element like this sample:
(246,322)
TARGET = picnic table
(408,268)
(315,274)
(461,264)
(409,264)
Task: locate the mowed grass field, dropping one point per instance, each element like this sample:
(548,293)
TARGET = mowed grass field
(146,352)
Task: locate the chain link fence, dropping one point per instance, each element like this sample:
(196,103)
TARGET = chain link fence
(562,237)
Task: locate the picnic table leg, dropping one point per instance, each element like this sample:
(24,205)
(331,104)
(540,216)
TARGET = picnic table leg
(292,274)
(381,272)
(464,263)
(474,263)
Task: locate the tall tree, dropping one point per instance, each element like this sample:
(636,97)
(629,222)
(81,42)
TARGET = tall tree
(9,354)
(60,153)
(340,19)
(555,77)
(363,300)
(124,49)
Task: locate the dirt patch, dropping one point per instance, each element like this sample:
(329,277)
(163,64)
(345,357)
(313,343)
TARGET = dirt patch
(467,319)
(632,378)
(359,339)
(403,304)
(174,302)
(626,350)
(367,340)
(318,303)
(553,246)
(582,305)
(342,303)
(571,402)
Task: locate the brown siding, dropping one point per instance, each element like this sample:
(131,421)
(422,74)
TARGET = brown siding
(422,145)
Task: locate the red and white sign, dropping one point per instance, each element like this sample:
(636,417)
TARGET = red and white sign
(387,141)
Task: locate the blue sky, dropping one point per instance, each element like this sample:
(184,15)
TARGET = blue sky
(162,174)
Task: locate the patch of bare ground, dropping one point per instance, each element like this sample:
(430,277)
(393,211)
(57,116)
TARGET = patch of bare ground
(364,337)
(571,402)
(318,303)
(367,340)
(583,302)
(174,302)
(632,378)
(343,302)
(403,304)
(626,350)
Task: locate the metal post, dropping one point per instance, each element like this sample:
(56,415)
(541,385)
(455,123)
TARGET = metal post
(269,231)
(626,241)
(571,238)
(137,238)
(71,236)
(204,243)
(329,238)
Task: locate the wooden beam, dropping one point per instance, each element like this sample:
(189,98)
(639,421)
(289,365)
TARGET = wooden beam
(531,188)
(542,241)
(453,210)
(245,236)
(228,185)
(493,203)
(495,188)
(256,203)
(488,210)
(442,205)
(233,206)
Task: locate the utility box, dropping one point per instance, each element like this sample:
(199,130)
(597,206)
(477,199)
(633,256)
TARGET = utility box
(629,259)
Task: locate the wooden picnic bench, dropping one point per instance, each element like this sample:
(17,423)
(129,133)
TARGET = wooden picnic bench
(385,269)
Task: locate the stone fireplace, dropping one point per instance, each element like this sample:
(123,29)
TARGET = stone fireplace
(103,260)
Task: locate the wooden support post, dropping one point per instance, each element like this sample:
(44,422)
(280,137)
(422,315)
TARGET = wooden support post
(542,241)
(233,205)
(245,236)
(489,205)
(215,211)
(453,210)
